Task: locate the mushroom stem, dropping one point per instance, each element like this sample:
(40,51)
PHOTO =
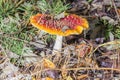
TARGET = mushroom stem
(58,45)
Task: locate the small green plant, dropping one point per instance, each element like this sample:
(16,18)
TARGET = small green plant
(108,28)
(117,32)
(53,7)
(49,38)
(89,1)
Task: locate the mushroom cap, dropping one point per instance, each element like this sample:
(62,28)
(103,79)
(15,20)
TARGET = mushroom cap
(70,24)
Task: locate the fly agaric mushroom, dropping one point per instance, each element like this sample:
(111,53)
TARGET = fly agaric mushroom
(70,24)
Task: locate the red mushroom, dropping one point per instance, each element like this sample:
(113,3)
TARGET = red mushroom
(70,24)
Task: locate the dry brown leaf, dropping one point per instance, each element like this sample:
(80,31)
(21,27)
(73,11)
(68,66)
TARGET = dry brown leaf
(48,64)
(82,76)
(48,78)
(69,78)
(90,61)
(82,49)
(118,11)
(33,78)
(64,72)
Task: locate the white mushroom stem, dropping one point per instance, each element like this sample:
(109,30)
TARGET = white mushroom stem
(58,45)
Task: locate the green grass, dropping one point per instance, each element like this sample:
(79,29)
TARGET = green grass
(27,10)
(9,25)
(8,7)
(14,35)
(15,46)
(15,31)
(54,8)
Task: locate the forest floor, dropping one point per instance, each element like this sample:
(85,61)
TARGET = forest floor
(26,52)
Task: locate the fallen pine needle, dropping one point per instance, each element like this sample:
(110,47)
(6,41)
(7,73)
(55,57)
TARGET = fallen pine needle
(81,68)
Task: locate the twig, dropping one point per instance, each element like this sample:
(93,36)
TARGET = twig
(88,68)
(108,43)
(113,3)
(6,60)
